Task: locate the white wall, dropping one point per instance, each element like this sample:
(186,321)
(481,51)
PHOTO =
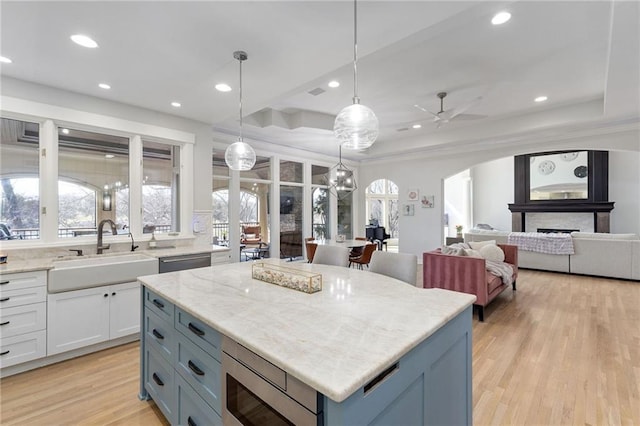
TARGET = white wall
(624,190)
(492,191)
(457,202)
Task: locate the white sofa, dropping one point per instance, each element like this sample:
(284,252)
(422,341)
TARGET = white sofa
(600,254)
(606,255)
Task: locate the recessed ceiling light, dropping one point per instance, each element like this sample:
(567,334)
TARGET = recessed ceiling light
(176,104)
(5,60)
(84,41)
(333,84)
(104,86)
(540,99)
(65,131)
(500,18)
(223,87)
(417,126)
(109,156)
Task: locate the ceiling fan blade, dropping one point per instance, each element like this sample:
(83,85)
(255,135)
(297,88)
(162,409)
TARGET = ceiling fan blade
(470,116)
(457,111)
(437,117)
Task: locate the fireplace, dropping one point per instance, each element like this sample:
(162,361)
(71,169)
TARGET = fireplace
(556,230)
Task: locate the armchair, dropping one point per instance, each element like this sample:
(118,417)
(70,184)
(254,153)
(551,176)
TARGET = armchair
(251,235)
(468,275)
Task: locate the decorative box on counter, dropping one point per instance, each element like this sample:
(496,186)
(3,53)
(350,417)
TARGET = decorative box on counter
(307,282)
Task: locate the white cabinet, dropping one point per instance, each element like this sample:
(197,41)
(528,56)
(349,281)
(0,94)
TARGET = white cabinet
(23,322)
(85,317)
(124,309)
(220,257)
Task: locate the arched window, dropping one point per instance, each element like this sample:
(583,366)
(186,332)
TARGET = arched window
(382,205)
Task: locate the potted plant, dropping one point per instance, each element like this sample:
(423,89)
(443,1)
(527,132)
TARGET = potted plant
(459,231)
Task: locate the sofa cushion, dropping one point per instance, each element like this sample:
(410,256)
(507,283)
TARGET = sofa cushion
(453,251)
(492,252)
(493,282)
(477,245)
(604,236)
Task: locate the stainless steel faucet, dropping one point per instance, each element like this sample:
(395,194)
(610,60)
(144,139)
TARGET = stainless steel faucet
(114,231)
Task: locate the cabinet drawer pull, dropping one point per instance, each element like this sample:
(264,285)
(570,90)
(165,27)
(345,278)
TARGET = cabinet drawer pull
(157,334)
(5,323)
(157,380)
(191,422)
(158,303)
(4,299)
(4,282)
(5,352)
(106,295)
(195,368)
(196,330)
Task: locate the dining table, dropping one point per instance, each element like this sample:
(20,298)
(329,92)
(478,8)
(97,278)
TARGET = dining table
(345,243)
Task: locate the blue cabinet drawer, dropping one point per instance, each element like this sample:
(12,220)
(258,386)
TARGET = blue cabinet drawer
(192,409)
(158,304)
(200,370)
(199,333)
(160,335)
(159,381)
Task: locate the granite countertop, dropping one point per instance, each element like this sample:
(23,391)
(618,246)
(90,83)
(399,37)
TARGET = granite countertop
(46,263)
(335,340)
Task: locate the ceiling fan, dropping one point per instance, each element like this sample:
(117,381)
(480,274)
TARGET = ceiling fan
(443,117)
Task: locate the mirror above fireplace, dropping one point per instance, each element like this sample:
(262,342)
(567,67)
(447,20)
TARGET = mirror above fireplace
(561,176)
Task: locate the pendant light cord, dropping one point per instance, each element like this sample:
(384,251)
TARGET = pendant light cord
(356,100)
(240,60)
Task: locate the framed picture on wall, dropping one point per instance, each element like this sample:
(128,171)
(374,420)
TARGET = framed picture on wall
(408,210)
(413,194)
(427,201)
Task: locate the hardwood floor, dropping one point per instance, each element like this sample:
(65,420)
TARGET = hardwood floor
(562,350)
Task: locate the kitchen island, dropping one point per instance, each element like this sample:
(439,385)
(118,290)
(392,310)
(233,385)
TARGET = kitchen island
(373,349)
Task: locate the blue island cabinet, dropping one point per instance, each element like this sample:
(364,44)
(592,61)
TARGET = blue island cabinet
(430,385)
(180,371)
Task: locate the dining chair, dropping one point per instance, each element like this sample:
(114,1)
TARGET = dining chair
(311,250)
(357,251)
(402,266)
(365,257)
(331,255)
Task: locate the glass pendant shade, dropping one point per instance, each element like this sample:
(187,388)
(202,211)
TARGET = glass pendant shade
(240,156)
(356,127)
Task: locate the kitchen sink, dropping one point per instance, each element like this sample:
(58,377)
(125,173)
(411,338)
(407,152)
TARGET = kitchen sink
(76,274)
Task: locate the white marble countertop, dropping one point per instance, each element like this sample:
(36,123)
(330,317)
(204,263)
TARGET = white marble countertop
(45,263)
(335,340)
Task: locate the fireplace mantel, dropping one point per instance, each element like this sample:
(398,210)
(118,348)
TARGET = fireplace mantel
(601,213)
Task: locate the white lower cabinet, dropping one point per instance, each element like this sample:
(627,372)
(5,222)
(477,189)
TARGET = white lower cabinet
(23,318)
(84,317)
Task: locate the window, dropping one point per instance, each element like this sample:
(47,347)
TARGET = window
(92,170)
(19,180)
(319,202)
(160,195)
(290,171)
(382,205)
(345,216)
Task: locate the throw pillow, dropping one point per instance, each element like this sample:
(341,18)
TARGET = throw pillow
(452,251)
(477,245)
(473,253)
(250,236)
(491,252)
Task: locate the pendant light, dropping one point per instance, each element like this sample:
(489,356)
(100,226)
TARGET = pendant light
(239,155)
(356,126)
(344,183)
